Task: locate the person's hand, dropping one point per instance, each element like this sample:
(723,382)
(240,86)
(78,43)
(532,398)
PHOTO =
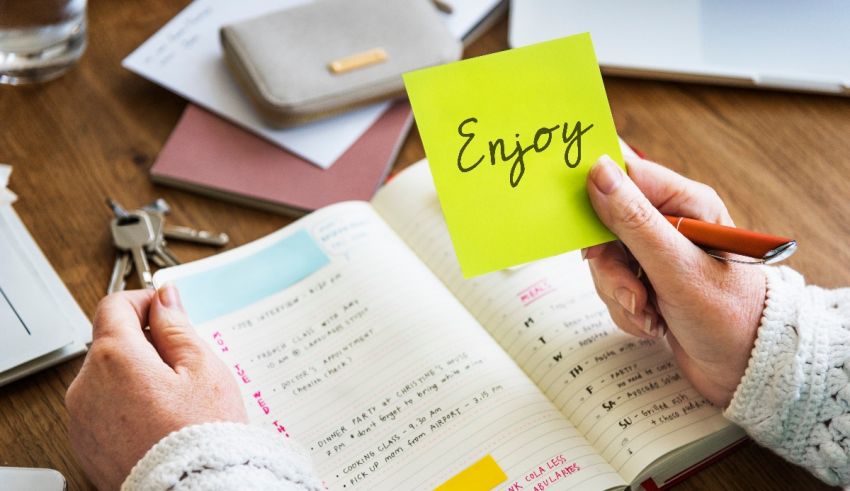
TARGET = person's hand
(709,310)
(133,390)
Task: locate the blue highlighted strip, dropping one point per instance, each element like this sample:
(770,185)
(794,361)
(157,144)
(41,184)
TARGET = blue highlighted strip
(235,285)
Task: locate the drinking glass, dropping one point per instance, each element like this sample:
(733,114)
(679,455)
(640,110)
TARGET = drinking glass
(40,39)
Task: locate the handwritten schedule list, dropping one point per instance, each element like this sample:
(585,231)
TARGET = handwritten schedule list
(383,376)
(394,372)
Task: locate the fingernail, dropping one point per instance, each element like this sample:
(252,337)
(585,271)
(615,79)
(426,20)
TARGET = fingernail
(168,296)
(649,324)
(606,174)
(583,254)
(626,298)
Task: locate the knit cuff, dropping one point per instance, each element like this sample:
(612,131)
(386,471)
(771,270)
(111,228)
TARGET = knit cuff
(763,398)
(216,452)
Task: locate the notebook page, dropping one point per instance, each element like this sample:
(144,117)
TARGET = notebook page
(359,353)
(623,393)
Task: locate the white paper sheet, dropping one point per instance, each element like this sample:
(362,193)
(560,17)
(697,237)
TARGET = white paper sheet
(28,331)
(185,57)
(6,197)
(40,323)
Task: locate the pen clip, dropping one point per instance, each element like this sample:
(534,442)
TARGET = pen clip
(781,253)
(773,256)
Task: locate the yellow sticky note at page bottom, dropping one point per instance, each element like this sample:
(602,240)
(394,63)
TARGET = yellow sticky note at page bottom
(482,475)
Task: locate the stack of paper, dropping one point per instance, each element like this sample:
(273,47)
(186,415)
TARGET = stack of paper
(290,172)
(185,56)
(42,324)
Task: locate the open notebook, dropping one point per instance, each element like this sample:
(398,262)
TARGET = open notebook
(353,332)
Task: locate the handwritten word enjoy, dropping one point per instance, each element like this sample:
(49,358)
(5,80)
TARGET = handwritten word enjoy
(542,140)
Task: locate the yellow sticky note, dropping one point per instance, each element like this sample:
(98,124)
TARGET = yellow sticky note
(482,475)
(510,138)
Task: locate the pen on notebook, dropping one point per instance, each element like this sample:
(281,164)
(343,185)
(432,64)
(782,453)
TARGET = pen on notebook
(764,248)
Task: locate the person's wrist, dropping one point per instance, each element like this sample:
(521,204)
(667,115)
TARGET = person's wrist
(751,306)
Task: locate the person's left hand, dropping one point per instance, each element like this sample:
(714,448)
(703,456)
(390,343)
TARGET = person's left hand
(131,391)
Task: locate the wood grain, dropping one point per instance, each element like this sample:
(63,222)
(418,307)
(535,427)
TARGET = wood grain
(780,160)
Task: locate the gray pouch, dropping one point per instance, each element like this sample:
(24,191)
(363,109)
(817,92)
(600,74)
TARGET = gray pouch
(329,56)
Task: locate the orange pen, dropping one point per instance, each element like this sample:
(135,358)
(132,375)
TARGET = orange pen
(764,248)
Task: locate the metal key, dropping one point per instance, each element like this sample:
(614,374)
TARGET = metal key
(190,234)
(123,267)
(123,264)
(186,234)
(159,206)
(158,250)
(133,234)
(117,209)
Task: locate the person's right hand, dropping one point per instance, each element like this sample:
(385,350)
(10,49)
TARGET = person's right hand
(133,391)
(709,310)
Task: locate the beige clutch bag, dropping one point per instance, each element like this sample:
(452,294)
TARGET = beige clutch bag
(329,56)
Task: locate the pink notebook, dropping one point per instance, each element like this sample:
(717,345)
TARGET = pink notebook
(208,155)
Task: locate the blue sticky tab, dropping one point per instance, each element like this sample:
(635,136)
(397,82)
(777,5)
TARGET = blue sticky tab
(220,291)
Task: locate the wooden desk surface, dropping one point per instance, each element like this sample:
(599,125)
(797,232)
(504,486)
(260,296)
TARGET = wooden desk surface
(780,160)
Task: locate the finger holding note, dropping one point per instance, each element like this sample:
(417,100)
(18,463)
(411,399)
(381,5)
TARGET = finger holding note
(709,309)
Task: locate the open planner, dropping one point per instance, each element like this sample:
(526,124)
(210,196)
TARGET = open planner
(353,332)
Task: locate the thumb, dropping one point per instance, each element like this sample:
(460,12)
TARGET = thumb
(656,244)
(171,332)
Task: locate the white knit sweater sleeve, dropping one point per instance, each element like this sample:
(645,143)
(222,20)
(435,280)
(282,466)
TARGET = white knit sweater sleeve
(223,456)
(794,397)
